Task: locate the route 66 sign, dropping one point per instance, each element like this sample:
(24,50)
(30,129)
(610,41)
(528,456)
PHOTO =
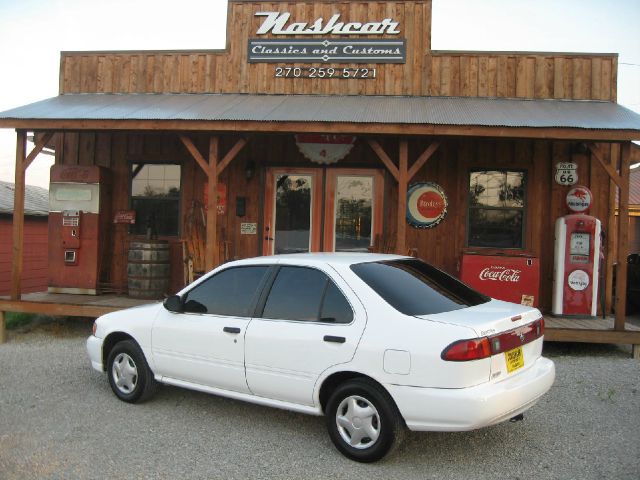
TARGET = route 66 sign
(566,173)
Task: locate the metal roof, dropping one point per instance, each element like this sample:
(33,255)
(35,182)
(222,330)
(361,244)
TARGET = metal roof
(446,111)
(36,199)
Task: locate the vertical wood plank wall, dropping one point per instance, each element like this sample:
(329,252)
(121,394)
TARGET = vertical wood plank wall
(482,74)
(448,167)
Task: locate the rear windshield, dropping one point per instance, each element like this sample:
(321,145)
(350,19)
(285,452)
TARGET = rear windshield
(416,288)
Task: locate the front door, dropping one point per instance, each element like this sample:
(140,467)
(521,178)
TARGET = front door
(311,210)
(292,211)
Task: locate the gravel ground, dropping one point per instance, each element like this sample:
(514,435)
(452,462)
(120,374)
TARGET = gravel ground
(59,419)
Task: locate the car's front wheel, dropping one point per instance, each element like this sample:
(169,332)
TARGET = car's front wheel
(130,377)
(363,421)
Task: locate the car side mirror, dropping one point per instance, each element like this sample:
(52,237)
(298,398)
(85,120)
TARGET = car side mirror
(173,304)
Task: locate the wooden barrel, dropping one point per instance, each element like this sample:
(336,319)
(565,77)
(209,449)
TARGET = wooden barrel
(148,269)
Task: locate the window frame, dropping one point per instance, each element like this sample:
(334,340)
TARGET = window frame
(260,306)
(524,208)
(143,162)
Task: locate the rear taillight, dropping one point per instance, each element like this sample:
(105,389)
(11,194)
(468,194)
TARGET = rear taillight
(478,348)
(465,350)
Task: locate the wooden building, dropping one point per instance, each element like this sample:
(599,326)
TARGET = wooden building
(36,209)
(215,146)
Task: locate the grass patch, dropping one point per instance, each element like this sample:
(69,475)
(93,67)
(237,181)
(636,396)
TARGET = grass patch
(60,326)
(15,320)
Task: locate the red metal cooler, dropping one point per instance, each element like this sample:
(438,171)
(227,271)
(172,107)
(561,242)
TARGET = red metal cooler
(511,278)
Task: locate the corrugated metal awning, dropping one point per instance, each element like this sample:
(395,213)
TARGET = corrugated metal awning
(140,111)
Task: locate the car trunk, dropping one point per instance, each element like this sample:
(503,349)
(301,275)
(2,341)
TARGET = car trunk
(514,333)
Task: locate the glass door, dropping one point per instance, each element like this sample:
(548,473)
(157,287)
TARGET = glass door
(292,214)
(354,209)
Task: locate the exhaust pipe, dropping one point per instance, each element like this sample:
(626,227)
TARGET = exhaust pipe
(517,418)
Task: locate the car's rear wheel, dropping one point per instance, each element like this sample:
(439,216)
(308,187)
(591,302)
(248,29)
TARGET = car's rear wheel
(363,421)
(130,377)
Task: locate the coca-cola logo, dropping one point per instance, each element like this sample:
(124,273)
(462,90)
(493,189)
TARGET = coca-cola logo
(499,273)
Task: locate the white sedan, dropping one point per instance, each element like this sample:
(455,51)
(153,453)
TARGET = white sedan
(376,343)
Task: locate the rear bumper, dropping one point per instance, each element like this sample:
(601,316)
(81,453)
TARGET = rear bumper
(94,350)
(443,409)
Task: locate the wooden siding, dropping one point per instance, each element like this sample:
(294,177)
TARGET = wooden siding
(228,71)
(449,167)
(35,260)
(523,75)
(482,74)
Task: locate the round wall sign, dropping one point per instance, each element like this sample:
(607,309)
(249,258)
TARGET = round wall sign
(578,280)
(426,205)
(579,199)
(324,149)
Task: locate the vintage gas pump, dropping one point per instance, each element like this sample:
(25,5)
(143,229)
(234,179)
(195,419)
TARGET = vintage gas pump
(76,228)
(577,258)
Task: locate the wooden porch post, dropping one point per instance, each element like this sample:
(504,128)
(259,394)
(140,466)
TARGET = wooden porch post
(403,174)
(18,215)
(623,236)
(212,168)
(211,246)
(403,180)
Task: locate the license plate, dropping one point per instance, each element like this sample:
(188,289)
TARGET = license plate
(515,359)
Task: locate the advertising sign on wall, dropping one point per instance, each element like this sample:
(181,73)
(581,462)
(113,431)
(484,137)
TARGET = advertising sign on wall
(426,205)
(325,149)
(579,199)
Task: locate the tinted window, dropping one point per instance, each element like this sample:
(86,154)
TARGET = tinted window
(229,292)
(335,308)
(416,288)
(296,294)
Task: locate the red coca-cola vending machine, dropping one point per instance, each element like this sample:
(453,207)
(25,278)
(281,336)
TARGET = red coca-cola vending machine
(76,228)
(511,278)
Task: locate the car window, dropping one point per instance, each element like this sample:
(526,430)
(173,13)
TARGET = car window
(416,288)
(335,308)
(306,294)
(229,292)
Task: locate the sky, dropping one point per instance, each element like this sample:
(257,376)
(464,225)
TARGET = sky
(34,32)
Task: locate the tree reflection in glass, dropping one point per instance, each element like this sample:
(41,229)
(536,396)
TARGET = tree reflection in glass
(293,213)
(354,207)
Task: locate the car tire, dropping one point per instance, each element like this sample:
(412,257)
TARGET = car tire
(363,420)
(130,377)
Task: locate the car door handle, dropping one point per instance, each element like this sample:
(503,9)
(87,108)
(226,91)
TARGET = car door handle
(331,338)
(231,329)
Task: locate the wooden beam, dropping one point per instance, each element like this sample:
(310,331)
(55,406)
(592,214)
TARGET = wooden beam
(614,153)
(382,155)
(211,258)
(235,126)
(422,159)
(195,153)
(623,236)
(18,216)
(40,144)
(403,180)
(591,336)
(595,151)
(231,154)
(57,309)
